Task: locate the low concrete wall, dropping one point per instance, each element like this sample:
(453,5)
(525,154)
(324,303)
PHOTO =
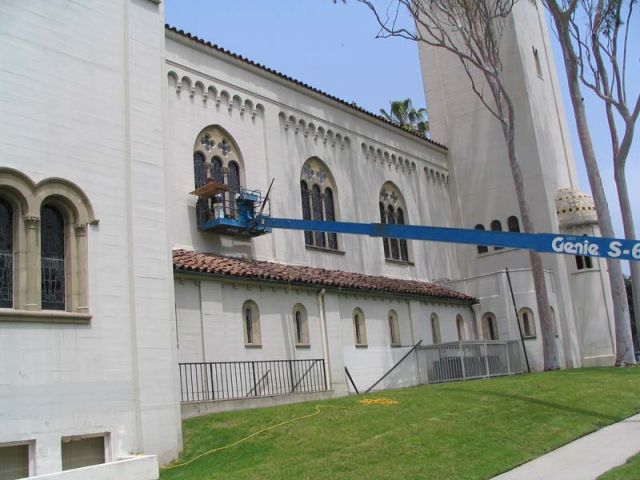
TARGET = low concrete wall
(197,409)
(143,467)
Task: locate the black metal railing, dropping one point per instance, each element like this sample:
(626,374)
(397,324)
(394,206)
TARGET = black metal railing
(206,381)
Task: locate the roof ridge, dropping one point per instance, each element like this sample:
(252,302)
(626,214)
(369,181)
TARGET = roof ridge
(299,83)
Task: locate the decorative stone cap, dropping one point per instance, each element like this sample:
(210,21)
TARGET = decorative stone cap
(575,208)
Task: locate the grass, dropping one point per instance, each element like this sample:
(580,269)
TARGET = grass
(468,430)
(628,471)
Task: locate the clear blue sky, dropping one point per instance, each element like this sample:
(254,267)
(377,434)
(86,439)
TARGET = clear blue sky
(333,47)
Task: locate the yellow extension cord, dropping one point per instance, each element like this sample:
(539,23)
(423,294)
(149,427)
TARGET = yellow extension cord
(366,401)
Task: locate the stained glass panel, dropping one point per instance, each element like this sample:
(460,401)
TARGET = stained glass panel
(330,217)
(234,176)
(404,250)
(52,258)
(393,242)
(513,224)
(248,319)
(385,241)
(6,255)
(306,210)
(217,173)
(316,204)
(496,226)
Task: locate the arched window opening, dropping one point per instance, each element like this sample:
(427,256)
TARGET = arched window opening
(52,248)
(217,160)
(435,329)
(392,211)
(301,325)
(481,248)
(394,329)
(460,327)
(496,226)
(583,262)
(359,328)
(527,323)
(251,324)
(6,255)
(318,197)
(489,327)
(513,224)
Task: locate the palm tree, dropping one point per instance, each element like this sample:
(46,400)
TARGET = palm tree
(404,115)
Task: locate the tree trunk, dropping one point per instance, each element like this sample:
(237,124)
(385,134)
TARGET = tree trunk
(624,343)
(549,346)
(629,233)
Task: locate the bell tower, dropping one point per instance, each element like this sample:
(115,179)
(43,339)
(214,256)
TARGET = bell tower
(482,188)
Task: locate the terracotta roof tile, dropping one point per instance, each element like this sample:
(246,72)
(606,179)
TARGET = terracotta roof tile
(297,82)
(209,263)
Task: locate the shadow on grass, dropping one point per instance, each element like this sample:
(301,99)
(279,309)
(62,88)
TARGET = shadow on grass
(536,401)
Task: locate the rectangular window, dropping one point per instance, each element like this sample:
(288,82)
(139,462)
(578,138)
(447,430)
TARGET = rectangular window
(14,461)
(536,58)
(81,452)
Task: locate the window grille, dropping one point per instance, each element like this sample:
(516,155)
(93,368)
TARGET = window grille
(52,243)
(6,255)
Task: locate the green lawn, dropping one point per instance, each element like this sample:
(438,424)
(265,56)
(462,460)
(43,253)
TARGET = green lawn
(628,471)
(459,430)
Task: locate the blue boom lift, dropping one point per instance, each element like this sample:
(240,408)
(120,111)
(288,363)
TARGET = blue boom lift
(242,212)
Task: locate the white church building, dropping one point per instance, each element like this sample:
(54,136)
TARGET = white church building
(120,313)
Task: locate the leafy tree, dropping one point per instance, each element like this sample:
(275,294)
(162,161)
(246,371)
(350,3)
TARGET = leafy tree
(593,36)
(471,31)
(403,114)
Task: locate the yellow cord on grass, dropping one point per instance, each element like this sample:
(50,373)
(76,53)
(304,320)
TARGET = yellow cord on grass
(366,401)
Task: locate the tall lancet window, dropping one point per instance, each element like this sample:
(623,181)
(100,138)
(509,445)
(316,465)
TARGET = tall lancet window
(217,159)
(393,211)
(52,254)
(319,202)
(6,255)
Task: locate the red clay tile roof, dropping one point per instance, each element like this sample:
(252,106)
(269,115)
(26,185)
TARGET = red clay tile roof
(297,82)
(217,265)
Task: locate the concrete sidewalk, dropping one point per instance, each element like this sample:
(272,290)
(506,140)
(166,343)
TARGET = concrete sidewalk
(585,458)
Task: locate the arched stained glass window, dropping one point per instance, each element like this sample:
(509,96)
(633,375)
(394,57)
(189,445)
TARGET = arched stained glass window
(52,248)
(330,216)
(217,159)
(394,329)
(6,255)
(318,214)
(481,248)
(435,329)
(496,226)
(513,224)
(392,211)
(251,324)
(320,202)
(359,328)
(301,325)
(489,327)
(306,210)
(385,240)
(460,327)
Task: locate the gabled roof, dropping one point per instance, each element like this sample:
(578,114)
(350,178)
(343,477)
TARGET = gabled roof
(241,268)
(299,83)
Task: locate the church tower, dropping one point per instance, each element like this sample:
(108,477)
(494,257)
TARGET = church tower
(482,186)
